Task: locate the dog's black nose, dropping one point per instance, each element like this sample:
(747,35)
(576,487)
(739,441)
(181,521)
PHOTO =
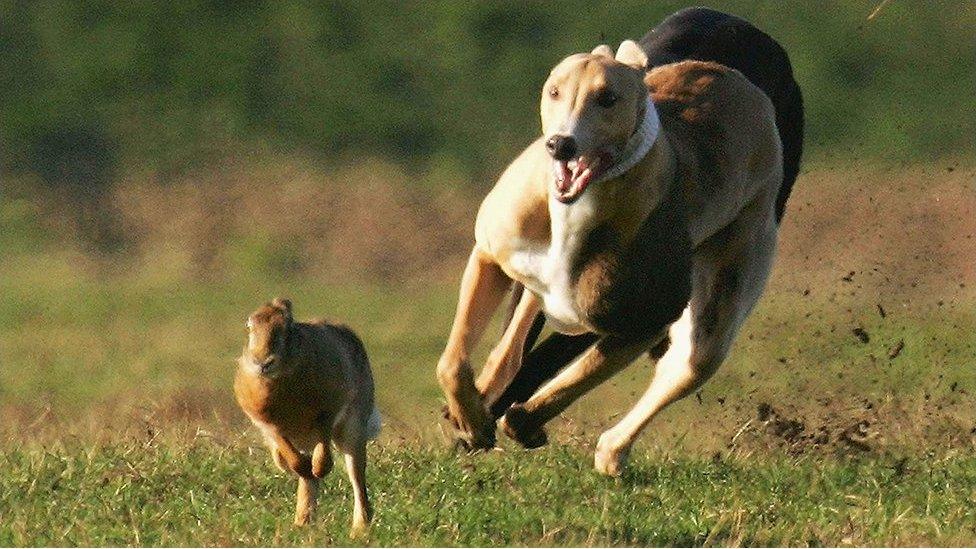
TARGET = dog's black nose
(561,147)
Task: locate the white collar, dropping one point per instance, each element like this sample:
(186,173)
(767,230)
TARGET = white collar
(637,146)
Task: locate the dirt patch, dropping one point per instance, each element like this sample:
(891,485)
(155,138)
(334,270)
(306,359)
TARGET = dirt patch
(797,435)
(879,232)
(904,230)
(839,429)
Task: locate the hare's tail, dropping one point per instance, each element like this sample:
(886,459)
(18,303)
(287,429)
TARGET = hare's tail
(374,424)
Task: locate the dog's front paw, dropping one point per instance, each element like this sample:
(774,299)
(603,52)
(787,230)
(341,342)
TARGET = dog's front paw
(611,457)
(519,425)
(469,438)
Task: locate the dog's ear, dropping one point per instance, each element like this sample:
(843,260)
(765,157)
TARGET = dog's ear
(603,50)
(285,305)
(629,53)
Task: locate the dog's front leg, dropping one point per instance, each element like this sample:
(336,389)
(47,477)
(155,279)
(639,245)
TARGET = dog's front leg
(483,286)
(505,359)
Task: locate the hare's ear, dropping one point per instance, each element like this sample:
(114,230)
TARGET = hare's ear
(284,304)
(629,53)
(603,50)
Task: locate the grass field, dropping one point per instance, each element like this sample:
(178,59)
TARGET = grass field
(211,491)
(120,428)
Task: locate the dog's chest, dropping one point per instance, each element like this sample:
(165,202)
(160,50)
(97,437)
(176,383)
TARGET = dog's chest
(549,269)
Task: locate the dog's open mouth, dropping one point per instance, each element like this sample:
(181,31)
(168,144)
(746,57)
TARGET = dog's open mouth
(573,176)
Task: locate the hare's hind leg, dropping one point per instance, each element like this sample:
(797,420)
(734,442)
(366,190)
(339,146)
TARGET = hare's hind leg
(351,441)
(362,512)
(308,488)
(350,438)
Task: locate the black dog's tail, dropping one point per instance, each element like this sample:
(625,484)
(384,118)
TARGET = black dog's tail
(789,121)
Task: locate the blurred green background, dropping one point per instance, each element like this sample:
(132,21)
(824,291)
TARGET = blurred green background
(91,88)
(165,167)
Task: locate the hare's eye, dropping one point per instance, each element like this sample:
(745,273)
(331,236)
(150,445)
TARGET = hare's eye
(554,92)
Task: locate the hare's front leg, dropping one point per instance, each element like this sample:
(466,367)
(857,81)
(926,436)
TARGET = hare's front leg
(321,459)
(308,488)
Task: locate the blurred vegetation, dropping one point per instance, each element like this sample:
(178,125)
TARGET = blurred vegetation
(166,166)
(91,88)
(114,341)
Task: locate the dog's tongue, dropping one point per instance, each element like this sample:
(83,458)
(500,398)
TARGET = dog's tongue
(571,179)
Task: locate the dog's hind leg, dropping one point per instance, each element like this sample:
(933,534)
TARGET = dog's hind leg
(674,377)
(483,286)
(541,364)
(523,422)
(730,271)
(506,358)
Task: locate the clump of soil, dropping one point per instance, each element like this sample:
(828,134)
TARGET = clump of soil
(798,435)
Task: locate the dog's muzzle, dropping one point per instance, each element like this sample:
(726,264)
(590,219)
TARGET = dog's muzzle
(573,174)
(561,147)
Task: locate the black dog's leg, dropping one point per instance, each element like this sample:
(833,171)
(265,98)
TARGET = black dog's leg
(541,364)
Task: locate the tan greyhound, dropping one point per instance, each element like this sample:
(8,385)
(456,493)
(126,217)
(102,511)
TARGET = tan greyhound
(645,210)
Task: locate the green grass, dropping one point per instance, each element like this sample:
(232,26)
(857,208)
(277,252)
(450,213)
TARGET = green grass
(211,492)
(119,425)
(77,349)
(101,379)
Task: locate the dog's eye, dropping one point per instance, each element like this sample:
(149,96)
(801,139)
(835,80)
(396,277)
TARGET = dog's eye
(554,92)
(606,99)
